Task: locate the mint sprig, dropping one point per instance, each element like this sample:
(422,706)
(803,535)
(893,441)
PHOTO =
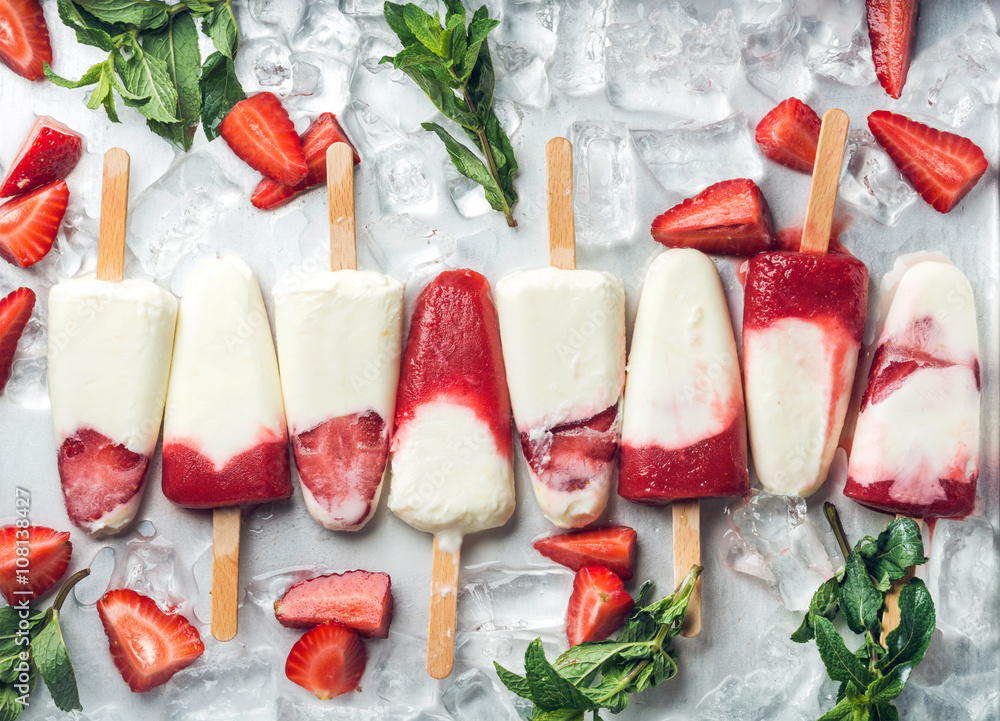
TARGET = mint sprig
(154,62)
(603,675)
(874,675)
(453,66)
(36,648)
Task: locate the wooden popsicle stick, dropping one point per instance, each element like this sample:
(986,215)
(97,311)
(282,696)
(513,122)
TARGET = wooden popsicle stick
(444,612)
(114,216)
(687,553)
(562,227)
(825,181)
(225,572)
(340,199)
(890,619)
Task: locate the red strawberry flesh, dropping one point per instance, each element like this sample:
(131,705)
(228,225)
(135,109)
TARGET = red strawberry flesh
(24,38)
(358,599)
(29,223)
(892,26)
(49,153)
(610,546)
(48,556)
(789,134)
(260,132)
(328,660)
(15,312)
(598,606)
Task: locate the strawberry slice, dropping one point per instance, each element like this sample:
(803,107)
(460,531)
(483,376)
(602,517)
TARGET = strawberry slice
(24,38)
(324,132)
(48,556)
(357,599)
(789,134)
(892,25)
(731,218)
(943,167)
(15,310)
(260,132)
(611,546)
(327,661)
(598,606)
(147,645)
(29,223)
(49,153)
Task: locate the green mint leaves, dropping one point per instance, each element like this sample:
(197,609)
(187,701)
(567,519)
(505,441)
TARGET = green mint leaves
(602,675)
(872,676)
(451,63)
(31,645)
(154,63)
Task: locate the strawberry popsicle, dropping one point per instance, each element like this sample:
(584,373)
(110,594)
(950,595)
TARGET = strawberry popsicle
(916,445)
(564,348)
(109,360)
(224,437)
(684,425)
(338,338)
(452,448)
(803,318)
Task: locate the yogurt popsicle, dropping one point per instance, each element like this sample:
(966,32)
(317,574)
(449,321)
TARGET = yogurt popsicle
(224,437)
(684,426)
(452,448)
(564,349)
(916,445)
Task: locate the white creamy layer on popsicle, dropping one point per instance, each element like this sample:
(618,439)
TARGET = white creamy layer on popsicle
(563,335)
(338,339)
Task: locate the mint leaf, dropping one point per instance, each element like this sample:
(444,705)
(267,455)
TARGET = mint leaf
(13,643)
(859,600)
(563,714)
(469,165)
(426,29)
(907,643)
(221,27)
(885,688)
(92,75)
(220,91)
(897,548)
(49,652)
(516,684)
(841,664)
(883,712)
(176,44)
(843,711)
(89,30)
(13,699)
(824,602)
(549,690)
(142,14)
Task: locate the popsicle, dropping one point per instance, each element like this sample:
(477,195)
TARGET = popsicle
(803,317)
(684,432)
(224,438)
(916,444)
(109,347)
(338,339)
(563,336)
(452,448)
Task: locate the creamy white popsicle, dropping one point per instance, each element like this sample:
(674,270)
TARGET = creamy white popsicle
(563,337)
(224,437)
(109,350)
(338,339)
(684,424)
(916,444)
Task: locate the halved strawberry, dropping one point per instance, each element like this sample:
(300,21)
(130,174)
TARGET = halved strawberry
(611,546)
(943,167)
(731,218)
(789,134)
(48,556)
(357,599)
(15,311)
(324,132)
(327,661)
(147,645)
(892,25)
(49,153)
(598,606)
(29,223)
(24,38)
(260,132)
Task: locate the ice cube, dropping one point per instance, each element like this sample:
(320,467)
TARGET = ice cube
(320,83)
(835,38)
(467,195)
(689,159)
(393,675)
(578,60)
(871,183)
(523,26)
(603,192)
(521,76)
(306,77)
(89,590)
(368,130)
(263,64)
(326,30)
(282,14)
(773,57)
(472,696)
(494,596)
(402,180)
(509,114)
(965,588)
(339,710)
(481,648)
(230,686)
(672,63)
(153,568)
(27,385)
(773,540)
(400,245)
(373,8)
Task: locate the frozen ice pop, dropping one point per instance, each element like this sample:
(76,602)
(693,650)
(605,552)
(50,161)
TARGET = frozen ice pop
(109,350)
(564,348)
(452,447)
(803,318)
(916,444)
(338,338)
(684,425)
